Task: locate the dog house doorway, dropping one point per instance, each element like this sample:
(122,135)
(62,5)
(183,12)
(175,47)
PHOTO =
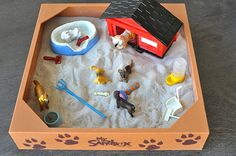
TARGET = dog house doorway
(120,30)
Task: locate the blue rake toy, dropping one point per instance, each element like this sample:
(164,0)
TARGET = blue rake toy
(63,87)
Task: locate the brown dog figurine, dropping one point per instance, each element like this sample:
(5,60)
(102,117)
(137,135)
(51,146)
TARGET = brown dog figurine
(41,95)
(125,72)
(121,41)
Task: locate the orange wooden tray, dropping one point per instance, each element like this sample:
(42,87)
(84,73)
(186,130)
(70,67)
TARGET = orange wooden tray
(28,131)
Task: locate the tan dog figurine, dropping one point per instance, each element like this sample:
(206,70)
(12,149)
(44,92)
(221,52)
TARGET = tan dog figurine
(100,73)
(41,95)
(121,41)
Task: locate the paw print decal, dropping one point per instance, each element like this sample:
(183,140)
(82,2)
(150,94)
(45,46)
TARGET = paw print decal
(188,139)
(35,144)
(151,144)
(67,139)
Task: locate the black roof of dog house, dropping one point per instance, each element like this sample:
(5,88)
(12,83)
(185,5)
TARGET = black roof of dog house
(150,14)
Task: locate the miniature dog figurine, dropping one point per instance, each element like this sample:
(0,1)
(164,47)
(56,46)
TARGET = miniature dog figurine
(124,104)
(121,41)
(41,95)
(70,35)
(101,78)
(124,73)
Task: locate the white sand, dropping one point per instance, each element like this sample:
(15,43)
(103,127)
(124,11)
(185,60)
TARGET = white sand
(149,71)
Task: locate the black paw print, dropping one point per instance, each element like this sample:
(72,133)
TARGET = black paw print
(67,140)
(35,144)
(151,144)
(188,139)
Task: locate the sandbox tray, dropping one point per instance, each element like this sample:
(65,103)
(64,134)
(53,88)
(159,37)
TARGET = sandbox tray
(30,132)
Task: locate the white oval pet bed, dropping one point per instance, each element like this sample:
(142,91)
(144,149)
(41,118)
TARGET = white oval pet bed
(62,47)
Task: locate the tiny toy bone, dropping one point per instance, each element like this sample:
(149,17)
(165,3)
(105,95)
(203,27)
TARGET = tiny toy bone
(63,87)
(100,75)
(125,72)
(102,94)
(70,35)
(80,40)
(56,59)
(41,95)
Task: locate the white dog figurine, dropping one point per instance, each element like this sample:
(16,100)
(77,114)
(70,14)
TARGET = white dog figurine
(70,35)
(121,41)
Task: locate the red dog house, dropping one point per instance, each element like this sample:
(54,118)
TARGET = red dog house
(155,27)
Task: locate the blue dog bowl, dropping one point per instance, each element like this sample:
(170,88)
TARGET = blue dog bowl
(61,47)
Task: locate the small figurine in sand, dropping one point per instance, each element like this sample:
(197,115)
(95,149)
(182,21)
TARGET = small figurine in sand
(124,104)
(70,35)
(124,93)
(100,73)
(41,95)
(125,72)
(121,41)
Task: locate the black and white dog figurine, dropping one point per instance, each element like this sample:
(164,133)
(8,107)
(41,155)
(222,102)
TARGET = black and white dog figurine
(124,104)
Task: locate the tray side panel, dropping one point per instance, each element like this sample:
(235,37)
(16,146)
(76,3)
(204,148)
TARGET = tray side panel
(104,141)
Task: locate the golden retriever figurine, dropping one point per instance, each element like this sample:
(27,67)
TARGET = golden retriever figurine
(100,73)
(41,95)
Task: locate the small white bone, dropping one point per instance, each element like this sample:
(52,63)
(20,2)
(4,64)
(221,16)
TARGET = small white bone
(102,94)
